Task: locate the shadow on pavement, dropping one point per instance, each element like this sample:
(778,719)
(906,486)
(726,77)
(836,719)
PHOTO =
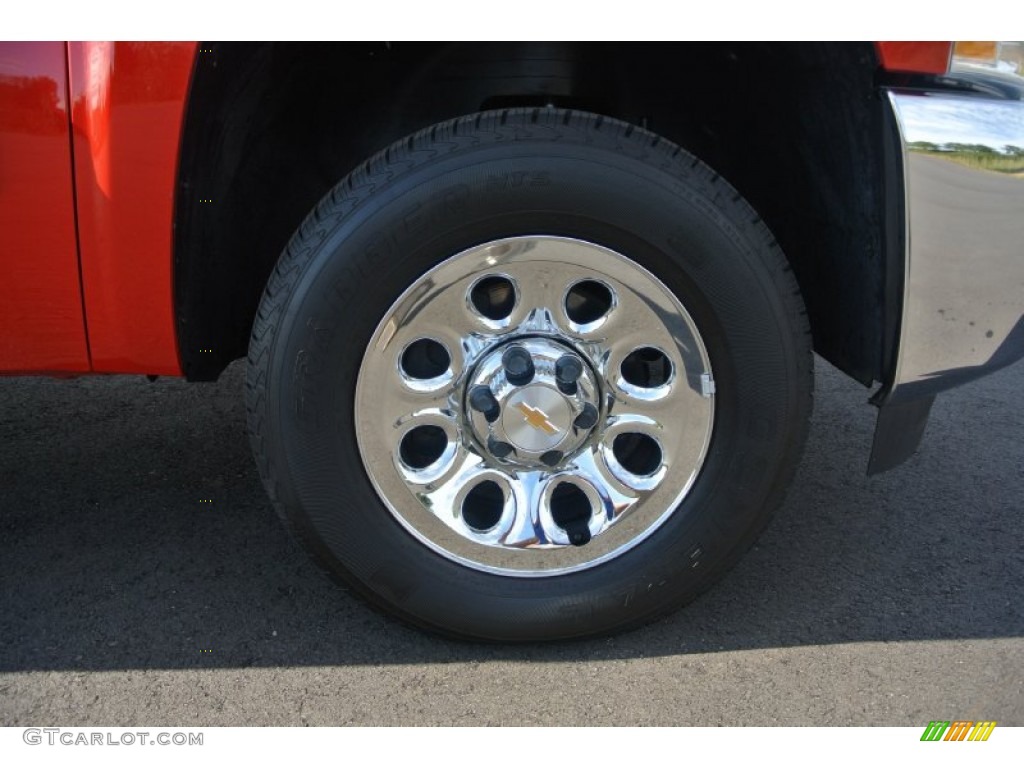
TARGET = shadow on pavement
(112,560)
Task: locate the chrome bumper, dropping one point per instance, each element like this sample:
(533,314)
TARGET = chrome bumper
(963,300)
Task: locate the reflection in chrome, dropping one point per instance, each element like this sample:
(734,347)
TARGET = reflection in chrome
(528,481)
(964,282)
(992,68)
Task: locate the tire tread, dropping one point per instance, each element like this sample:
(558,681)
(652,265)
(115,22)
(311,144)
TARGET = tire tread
(509,125)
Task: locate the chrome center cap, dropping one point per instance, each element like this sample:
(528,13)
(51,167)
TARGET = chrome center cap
(532,402)
(536,418)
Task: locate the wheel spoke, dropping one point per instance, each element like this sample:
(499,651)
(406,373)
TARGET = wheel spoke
(542,286)
(617,498)
(525,530)
(441,495)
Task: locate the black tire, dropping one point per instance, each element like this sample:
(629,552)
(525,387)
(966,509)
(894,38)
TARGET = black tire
(503,174)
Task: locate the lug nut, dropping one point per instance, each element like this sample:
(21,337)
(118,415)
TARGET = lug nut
(497,448)
(587,419)
(482,399)
(518,366)
(568,369)
(551,458)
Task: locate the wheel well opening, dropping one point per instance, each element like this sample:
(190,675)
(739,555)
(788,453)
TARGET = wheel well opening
(798,129)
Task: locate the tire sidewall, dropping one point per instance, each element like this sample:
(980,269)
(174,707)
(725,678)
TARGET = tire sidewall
(674,218)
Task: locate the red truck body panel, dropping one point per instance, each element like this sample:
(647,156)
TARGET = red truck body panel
(115,152)
(927,58)
(128,105)
(42,327)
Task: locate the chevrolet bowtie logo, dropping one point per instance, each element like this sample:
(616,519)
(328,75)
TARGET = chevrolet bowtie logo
(537,419)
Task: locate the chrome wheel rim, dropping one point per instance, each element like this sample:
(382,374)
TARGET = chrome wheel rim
(534,406)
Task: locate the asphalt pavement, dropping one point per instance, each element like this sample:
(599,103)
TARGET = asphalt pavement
(145,579)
